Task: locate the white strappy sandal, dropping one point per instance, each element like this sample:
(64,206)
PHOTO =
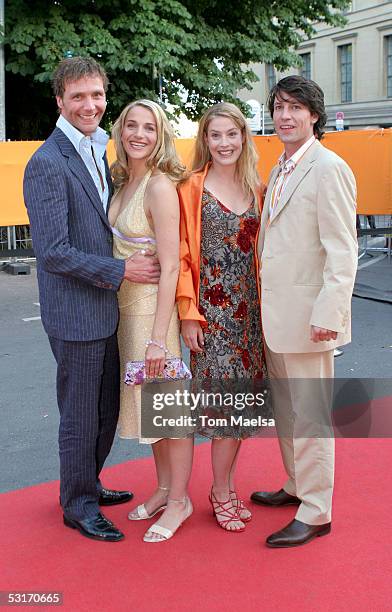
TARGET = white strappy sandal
(165,533)
(140,513)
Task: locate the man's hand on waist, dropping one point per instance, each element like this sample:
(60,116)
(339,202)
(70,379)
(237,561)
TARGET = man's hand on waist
(142,268)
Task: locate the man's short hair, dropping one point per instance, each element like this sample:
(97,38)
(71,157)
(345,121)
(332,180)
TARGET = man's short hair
(74,68)
(308,93)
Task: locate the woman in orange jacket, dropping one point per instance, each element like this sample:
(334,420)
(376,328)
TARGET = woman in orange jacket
(217,292)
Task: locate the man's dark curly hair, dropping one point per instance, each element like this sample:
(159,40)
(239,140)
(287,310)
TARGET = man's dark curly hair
(307,92)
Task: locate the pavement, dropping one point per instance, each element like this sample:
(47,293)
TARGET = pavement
(29,423)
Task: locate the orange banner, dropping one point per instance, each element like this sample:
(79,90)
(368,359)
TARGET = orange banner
(368,152)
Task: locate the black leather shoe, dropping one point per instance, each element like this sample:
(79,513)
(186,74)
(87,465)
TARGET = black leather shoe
(297,533)
(107,497)
(97,528)
(276,498)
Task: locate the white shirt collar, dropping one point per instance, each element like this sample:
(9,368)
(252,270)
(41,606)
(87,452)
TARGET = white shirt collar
(294,159)
(99,137)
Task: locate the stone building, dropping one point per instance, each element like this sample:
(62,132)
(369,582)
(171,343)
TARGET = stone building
(353,66)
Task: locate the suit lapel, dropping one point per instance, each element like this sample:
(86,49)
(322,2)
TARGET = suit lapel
(79,170)
(298,175)
(271,182)
(265,212)
(108,179)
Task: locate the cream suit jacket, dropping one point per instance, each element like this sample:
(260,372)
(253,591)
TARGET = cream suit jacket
(308,254)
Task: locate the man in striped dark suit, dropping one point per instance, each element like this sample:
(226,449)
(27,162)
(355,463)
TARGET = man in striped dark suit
(67,190)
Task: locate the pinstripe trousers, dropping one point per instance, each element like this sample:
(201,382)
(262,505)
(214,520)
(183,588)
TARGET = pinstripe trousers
(88,377)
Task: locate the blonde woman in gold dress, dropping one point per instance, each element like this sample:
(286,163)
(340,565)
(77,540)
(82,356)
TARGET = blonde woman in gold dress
(144,215)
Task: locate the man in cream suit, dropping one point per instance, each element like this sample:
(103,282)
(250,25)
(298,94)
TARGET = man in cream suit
(308,258)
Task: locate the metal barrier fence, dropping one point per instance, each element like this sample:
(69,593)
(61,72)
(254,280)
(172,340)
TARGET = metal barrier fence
(15,238)
(374,226)
(15,241)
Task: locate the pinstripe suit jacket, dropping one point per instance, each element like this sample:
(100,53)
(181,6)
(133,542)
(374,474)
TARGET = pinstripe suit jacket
(77,274)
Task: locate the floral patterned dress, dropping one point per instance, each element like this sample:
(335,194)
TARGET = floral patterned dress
(228,299)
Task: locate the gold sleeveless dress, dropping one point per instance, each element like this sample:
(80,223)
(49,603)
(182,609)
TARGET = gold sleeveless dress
(137,304)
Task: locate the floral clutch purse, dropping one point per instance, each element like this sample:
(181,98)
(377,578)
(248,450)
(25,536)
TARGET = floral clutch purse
(175,369)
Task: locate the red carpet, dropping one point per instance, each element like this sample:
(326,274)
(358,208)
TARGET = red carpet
(203,567)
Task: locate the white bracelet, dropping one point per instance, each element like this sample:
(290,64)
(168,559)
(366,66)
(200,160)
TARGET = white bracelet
(154,343)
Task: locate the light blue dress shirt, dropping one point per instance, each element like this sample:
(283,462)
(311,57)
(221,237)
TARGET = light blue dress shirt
(98,140)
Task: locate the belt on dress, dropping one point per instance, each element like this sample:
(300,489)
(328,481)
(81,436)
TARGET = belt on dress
(141,240)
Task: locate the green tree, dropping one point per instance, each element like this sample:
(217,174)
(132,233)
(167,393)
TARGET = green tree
(194,52)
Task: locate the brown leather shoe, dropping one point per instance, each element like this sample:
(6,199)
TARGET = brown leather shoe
(276,498)
(296,533)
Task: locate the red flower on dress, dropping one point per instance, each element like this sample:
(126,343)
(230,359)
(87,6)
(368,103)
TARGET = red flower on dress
(251,226)
(241,311)
(216,296)
(243,241)
(247,233)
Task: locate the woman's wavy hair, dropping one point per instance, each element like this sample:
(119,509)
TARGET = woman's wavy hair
(247,163)
(308,93)
(163,157)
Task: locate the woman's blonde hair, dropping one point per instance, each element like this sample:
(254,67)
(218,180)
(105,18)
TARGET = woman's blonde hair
(247,163)
(163,157)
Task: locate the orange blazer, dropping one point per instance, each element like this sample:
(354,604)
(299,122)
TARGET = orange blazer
(190,195)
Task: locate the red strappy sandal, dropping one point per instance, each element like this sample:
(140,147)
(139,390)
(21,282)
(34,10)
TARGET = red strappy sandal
(239,504)
(219,508)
